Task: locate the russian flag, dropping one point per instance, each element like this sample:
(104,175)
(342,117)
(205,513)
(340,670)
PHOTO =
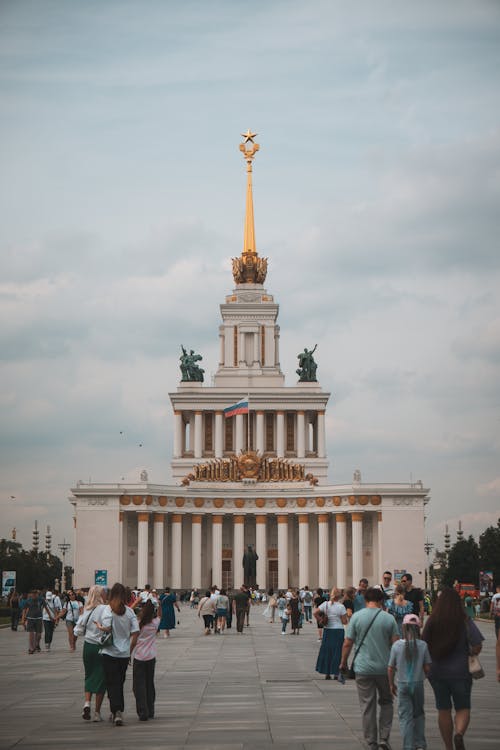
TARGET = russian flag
(240,408)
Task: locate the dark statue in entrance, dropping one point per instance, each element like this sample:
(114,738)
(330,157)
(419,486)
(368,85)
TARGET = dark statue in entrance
(250,566)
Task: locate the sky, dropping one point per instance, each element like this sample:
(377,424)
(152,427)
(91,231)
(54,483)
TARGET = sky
(376,195)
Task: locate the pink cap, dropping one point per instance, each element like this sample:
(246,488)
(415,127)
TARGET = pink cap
(411,620)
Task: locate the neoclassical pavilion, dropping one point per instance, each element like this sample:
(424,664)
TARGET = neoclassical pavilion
(258,478)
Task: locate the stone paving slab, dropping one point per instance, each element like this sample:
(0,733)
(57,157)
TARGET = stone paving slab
(257,692)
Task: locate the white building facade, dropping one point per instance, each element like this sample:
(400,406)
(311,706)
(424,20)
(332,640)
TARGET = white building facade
(257,479)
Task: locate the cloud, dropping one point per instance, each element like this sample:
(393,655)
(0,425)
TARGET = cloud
(489,489)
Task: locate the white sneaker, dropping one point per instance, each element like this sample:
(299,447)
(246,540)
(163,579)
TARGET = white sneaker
(97,716)
(118,720)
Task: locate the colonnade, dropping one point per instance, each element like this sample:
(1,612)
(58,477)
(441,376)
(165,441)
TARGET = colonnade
(177,580)
(302,441)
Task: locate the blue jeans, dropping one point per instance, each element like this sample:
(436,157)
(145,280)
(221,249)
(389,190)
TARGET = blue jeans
(307,612)
(284,623)
(411,715)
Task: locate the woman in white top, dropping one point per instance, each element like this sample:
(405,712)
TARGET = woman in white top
(333,635)
(122,622)
(73,610)
(94,674)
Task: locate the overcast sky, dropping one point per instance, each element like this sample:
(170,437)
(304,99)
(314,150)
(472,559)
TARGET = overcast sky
(377,195)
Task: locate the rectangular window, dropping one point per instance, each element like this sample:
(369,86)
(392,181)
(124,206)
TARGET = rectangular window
(228,434)
(290,432)
(270,432)
(209,432)
(263,346)
(235,345)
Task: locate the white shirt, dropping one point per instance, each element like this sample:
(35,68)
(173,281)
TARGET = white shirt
(334,611)
(123,627)
(72,610)
(86,624)
(51,608)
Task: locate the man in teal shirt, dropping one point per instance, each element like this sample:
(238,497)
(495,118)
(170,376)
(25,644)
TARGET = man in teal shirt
(372,632)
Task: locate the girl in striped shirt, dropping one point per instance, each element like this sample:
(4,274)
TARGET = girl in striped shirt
(144,662)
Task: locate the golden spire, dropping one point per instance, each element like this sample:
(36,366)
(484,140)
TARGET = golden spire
(249,269)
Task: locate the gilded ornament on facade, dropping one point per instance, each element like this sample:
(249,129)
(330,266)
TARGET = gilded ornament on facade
(376,500)
(320,501)
(179,501)
(137,499)
(363,500)
(162,500)
(337,500)
(199,502)
(124,500)
(248,465)
(301,502)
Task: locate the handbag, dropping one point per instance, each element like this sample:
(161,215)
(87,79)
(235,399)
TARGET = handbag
(476,670)
(351,674)
(106,638)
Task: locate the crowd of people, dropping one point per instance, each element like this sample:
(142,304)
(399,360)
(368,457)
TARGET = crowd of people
(374,634)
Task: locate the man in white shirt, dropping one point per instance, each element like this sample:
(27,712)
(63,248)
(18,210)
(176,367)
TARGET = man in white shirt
(495,610)
(50,614)
(386,585)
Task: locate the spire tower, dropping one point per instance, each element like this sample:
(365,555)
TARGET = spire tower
(249,268)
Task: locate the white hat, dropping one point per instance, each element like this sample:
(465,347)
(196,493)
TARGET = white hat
(49,595)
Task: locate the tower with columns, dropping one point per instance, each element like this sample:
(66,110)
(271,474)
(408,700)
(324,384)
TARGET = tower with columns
(258,478)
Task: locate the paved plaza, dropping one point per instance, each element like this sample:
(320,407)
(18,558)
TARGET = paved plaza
(258,690)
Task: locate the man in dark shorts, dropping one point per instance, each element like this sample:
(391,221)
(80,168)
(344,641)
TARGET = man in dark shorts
(414,595)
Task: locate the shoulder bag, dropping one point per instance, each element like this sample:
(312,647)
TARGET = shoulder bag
(476,670)
(351,674)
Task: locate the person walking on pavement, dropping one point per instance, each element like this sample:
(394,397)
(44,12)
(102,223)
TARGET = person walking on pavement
(414,595)
(241,603)
(95,683)
(144,653)
(372,631)
(51,610)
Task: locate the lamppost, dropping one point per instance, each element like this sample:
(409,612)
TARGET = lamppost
(64,547)
(428,546)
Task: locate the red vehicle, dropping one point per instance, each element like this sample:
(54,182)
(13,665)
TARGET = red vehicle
(467,589)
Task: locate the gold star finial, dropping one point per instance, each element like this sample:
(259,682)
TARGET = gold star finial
(248,136)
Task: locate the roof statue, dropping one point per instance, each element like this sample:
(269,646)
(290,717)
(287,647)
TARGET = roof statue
(189,369)
(249,268)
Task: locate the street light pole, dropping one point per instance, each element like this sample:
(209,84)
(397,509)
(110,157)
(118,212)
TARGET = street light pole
(64,547)
(428,546)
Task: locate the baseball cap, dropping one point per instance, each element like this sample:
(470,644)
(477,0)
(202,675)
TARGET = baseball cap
(411,620)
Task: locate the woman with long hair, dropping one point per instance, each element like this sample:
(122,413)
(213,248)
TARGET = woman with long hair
(451,636)
(221,610)
(121,621)
(95,683)
(333,635)
(144,662)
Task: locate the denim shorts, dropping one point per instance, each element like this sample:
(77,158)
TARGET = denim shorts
(446,691)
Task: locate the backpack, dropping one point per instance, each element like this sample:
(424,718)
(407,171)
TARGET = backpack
(308,597)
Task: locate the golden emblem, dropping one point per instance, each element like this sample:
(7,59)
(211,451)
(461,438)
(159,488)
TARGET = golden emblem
(249,465)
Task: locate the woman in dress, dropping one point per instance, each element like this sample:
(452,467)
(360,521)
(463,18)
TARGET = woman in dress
(73,610)
(221,610)
(399,607)
(95,683)
(333,635)
(294,606)
(121,621)
(451,636)
(144,663)
(168,601)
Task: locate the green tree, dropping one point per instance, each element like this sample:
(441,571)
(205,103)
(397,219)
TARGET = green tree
(463,563)
(33,569)
(489,551)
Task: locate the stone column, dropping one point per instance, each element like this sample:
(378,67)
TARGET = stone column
(216,550)
(357,547)
(301,434)
(176,577)
(158,527)
(323,551)
(261,549)
(379,545)
(239,432)
(320,426)
(340,519)
(142,549)
(260,432)
(196,551)
(219,434)
(178,446)
(198,434)
(303,550)
(238,550)
(282,551)
(280,434)
(121,572)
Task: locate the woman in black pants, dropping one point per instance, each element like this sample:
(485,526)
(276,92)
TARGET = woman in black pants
(122,622)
